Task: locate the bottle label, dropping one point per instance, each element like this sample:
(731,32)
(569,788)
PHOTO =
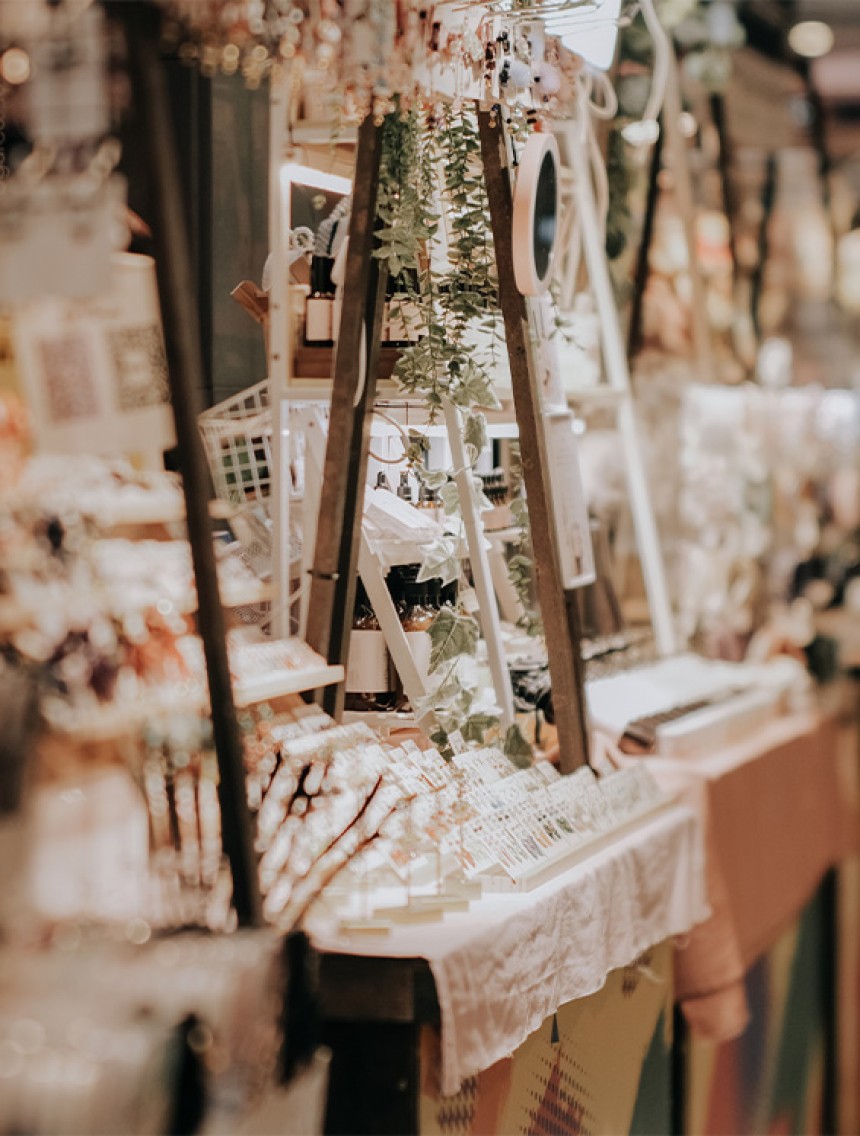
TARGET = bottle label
(420,645)
(318,319)
(367,666)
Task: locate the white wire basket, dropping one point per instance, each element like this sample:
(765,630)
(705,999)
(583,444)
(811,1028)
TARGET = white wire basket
(253,529)
(237,436)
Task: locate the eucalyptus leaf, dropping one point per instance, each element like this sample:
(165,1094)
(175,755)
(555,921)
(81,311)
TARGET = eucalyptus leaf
(516,748)
(416,452)
(520,566)
(440,559)
(476,388)
(449,495)
(463,702)
(439,738)
(452,695)
(434,478)
(475,433)
(482,502)
(451,635)
(476,726)
(447,693)
(455,299)
(520,511)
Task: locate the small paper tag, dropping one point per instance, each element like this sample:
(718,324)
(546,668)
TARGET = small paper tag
(455,740)
(469,601)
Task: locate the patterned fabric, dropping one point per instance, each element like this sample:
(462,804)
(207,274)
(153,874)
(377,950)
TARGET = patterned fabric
(771,1078)
(598,1066)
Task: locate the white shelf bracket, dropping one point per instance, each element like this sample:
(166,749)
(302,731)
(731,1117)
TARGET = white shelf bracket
(488,610)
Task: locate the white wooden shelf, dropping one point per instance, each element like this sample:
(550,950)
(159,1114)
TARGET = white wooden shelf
(156,513)
(16,616)
(245,595)
(115,721)
(286,682)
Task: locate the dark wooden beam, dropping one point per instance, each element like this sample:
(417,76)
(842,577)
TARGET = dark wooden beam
(558,607)
(141,22)
(768,196)
(354,389)
(724,163)
(643,256)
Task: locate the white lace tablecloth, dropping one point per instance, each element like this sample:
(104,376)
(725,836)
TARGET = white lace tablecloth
(509,962)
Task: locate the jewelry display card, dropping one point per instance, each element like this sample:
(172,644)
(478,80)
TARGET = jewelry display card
(484,766)
(509,790)
(629,791)
(523,824)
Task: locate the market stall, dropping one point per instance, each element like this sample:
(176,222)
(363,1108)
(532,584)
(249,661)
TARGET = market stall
(497,972)
(446,718)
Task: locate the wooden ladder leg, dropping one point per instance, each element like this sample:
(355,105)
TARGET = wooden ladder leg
(335,563)
(558,606)
(141,23)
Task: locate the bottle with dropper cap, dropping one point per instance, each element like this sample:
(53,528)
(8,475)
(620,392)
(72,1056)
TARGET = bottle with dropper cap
(404,489)
(319,306)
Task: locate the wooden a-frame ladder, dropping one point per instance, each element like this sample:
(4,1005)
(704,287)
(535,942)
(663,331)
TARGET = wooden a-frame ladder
(336,554)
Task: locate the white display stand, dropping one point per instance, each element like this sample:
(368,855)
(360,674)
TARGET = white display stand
(373,572)
(574,136)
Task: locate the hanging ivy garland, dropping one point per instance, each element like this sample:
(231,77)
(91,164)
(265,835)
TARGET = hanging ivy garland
(430,166)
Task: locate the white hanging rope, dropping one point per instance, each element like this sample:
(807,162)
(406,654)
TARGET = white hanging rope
(663,53)
(404,439)
(604,109)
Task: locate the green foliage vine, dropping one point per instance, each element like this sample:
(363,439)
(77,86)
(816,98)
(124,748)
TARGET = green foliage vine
(432,194)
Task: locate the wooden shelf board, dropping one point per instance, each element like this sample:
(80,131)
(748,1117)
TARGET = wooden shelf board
(112,723)
(287,682)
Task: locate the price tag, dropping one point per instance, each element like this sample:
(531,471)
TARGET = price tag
(469,601)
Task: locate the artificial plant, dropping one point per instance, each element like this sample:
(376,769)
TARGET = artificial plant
(431,168)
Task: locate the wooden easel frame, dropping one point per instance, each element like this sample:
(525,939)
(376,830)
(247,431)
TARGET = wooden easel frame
(354,384)
(333,575)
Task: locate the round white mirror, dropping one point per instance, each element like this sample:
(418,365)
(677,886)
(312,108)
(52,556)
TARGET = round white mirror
(537,203)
